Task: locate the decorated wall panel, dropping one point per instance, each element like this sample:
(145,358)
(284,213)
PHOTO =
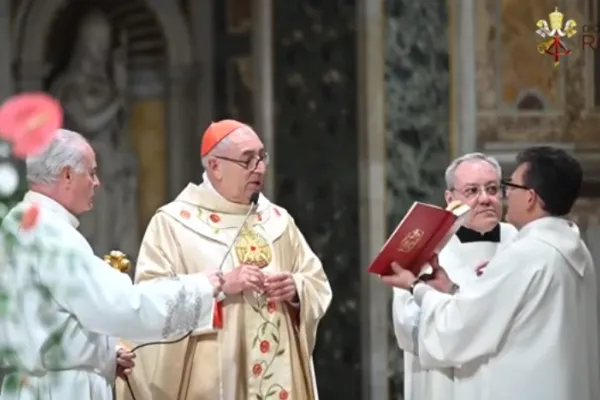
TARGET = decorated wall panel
(317,167)
(521,95)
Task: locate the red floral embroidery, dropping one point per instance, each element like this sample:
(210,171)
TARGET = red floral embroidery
(30,217)
(265,346)
(270,328)
(252,248)
(283,395)
(214,218)
(184,214)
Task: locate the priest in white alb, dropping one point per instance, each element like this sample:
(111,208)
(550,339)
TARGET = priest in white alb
(275,290)
(62,307)
(473,179)
(528,327)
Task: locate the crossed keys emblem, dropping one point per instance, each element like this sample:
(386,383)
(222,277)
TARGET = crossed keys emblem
(555,46)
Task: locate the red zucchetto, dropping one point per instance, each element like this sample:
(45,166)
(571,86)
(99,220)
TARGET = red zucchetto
(216,132)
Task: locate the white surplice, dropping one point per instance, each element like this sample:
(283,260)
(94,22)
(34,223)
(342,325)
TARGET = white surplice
(527,329)
(460,261)
(64,306)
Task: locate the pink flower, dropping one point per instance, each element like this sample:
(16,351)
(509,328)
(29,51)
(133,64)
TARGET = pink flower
(29,121)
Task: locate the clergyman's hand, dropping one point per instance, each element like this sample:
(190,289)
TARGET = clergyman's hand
(439,279)
(244,277)
(125,362)
(401,278)
(215,277)
(480,268)
(280,286)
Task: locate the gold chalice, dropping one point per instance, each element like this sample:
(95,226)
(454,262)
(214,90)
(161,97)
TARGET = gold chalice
(118,261)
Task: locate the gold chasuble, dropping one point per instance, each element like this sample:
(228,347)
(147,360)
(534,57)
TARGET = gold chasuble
(263,350)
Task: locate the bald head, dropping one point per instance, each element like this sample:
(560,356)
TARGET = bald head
(237,164)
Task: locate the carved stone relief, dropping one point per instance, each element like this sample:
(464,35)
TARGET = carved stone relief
(92,90)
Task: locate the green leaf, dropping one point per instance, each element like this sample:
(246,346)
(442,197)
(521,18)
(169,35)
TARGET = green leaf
(271,393)
(278,322)
(259,397)
(268,376)
(280,352)
(8,356)
(255,341)
(12,383)
(4,304)
(44,292)
(263,327)
(275,338)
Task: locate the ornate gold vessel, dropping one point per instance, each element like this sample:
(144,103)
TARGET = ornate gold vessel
(118,261)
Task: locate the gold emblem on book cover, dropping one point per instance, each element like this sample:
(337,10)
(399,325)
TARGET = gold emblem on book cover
(410,240)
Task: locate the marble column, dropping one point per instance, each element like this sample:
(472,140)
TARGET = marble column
(179,128)
(375,318)
(463,72)
(418,114)
(263,101)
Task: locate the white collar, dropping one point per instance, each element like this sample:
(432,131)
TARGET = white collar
(51,205)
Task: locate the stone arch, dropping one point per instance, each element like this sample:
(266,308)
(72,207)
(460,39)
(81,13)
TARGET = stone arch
(36,18)
(40,16)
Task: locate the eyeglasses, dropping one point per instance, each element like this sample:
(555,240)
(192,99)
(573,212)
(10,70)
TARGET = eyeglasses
(473,191)
(250,163)
(508,184)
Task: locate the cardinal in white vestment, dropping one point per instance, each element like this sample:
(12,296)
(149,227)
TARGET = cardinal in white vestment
(63,307)
(528,327)
(275,290)
(473,179)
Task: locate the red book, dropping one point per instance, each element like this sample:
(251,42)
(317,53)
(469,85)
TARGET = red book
(423,232)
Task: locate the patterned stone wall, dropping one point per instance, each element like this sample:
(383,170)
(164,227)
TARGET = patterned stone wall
(317,166)
(418,96)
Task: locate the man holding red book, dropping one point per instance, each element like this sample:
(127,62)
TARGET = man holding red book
(528,327)
(473,179)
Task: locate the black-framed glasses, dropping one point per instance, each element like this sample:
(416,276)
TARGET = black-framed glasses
(250,163)
(508,184)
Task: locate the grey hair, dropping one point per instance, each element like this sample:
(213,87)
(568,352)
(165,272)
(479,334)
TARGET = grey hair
(222,145)
(451,170)
(65,150)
